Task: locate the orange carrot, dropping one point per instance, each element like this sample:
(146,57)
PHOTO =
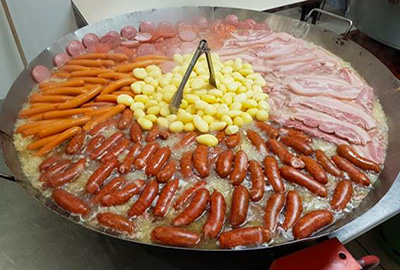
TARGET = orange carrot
(46,85)
(36,98)
(59,139)
(81,99)
(138,64)
(99,111)
(41,142)
(107,98)
(72,91)
(37,110)
(65,124)
(117,84)
(60,114)
(90,73)
(114,111)
(92,63)
(93,80)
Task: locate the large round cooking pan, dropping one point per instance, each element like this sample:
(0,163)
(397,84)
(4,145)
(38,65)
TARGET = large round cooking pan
(374,72)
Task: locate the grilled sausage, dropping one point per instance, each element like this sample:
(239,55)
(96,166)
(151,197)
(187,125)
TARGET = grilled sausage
(297,144)
(315,170)
(200,160)
(223,166)
(273,208)
(172,236)
(233,140)
(118,149)
(153,134)
(148,195)
(157,161)
(106,145)
(257,181)
(216,218)
(109,188)
(294,209)
(145,155)
(136,132)
(126,119)
(273,175)
(239,206)
(257,141)
(165,199)
(126,165)
(70,202)
(278,149)
(121,196)
(102,126)
(186,140)
(186,165)
(94,143)
(115,222)
(76,143)
(249,236)
(327,164)
(354,173)
(295,176)
(312,222)
(239,168)
(296,133)
(188,193)
(194,210)
(68,175)
(342,195)
(47,163)
(167,172)
(269,130)
(100,175)
(57,168)
(348,153)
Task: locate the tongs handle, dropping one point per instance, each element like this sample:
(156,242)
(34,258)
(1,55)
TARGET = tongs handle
(202,48)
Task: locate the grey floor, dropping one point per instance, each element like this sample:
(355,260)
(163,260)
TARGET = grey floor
(369,243)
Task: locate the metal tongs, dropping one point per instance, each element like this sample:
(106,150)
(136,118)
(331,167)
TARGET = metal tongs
(202,48)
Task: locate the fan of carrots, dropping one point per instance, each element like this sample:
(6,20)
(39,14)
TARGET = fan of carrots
(86,98)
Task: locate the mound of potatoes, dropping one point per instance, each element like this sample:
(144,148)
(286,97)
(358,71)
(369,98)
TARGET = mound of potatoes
(238,99)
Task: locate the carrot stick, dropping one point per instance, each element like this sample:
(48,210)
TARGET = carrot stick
(129,93)
(61,75)
(60,114)
(107,98)
(97,104)
(117,84)
(99,111)
(36,98)
(60,138)
(94,80)
(33,124)
(41,142)
(72,91)
(90,73)
(114,75)
(114,111)
(46,85)
(91,63)
(65,124)
(74,68)
(138,64)
(37,110)
(81,99)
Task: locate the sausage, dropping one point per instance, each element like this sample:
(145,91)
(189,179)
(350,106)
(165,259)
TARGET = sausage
(348,153)
(126,119)
(327,164)
(257,141)
(70,202)
(239,168)
(194,210)
(294,209)
(143,37)
(257,181)
(187,36)
(315,170)
(188,193)
(354,173)
(136,132)
(239,206)
(312,222)
(126,165)
(102,126)
(109,188)
(273,175)
(233,140)
(271,132)
(148,195)
(297,144)
(165,199)
(68,175)
(112,39)
(166,30)
(295,176)
(200,160)
(94,143)
(57,168)
(186,140)
(47,163)
(164,134)
(90,39)
(106,145)
(75,144)
(40,73)
(157,161)
(74,47)
(115,222)
(129,32)
(220,136)
(121,196)
(297,134)
(118,149)
(232,19)
(278,149)
(216,217)
(223,166)
(186,165)
(100,175)
(145,155)
(249,236)
(342,195)
(273,208)
(60,59)
(153,134)
(167,172)
(172,236)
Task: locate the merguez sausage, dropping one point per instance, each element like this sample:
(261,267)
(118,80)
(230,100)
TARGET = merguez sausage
(115,222)
(136,132)
(126,119)
(100,175)
(200,160)
(297,144)
(312,222)
(278,149)
(354,173)
(216,217)
(257,181)
(153,134)
(145,155)
(167,172)
(223,166)
(348,153)
(315,170)
(70,202)
(239,168)
(186,140)
(342,195)
(194,210)
(173,236)
(271,132)
(75,144)
(56,168)
(106,145)
(295,176)
(102,126)
(328,165)
(239,206)
(188,193)
(273,175)
(157,161)
(186,165)
(47,163)
(233,140)
(94,143)
(69,175)
(273,208)
(257,141)
(123,195)
(165,199)
(109,188)
(294,209)
(126,165)
(249,236)
(118,149)
(148,195)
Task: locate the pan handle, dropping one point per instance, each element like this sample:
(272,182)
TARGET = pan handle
(318,10)
(8,177)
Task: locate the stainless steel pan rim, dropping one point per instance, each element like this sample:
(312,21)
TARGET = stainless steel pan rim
(375,73)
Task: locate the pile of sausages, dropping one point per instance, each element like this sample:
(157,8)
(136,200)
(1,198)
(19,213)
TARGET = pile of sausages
(107,185)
